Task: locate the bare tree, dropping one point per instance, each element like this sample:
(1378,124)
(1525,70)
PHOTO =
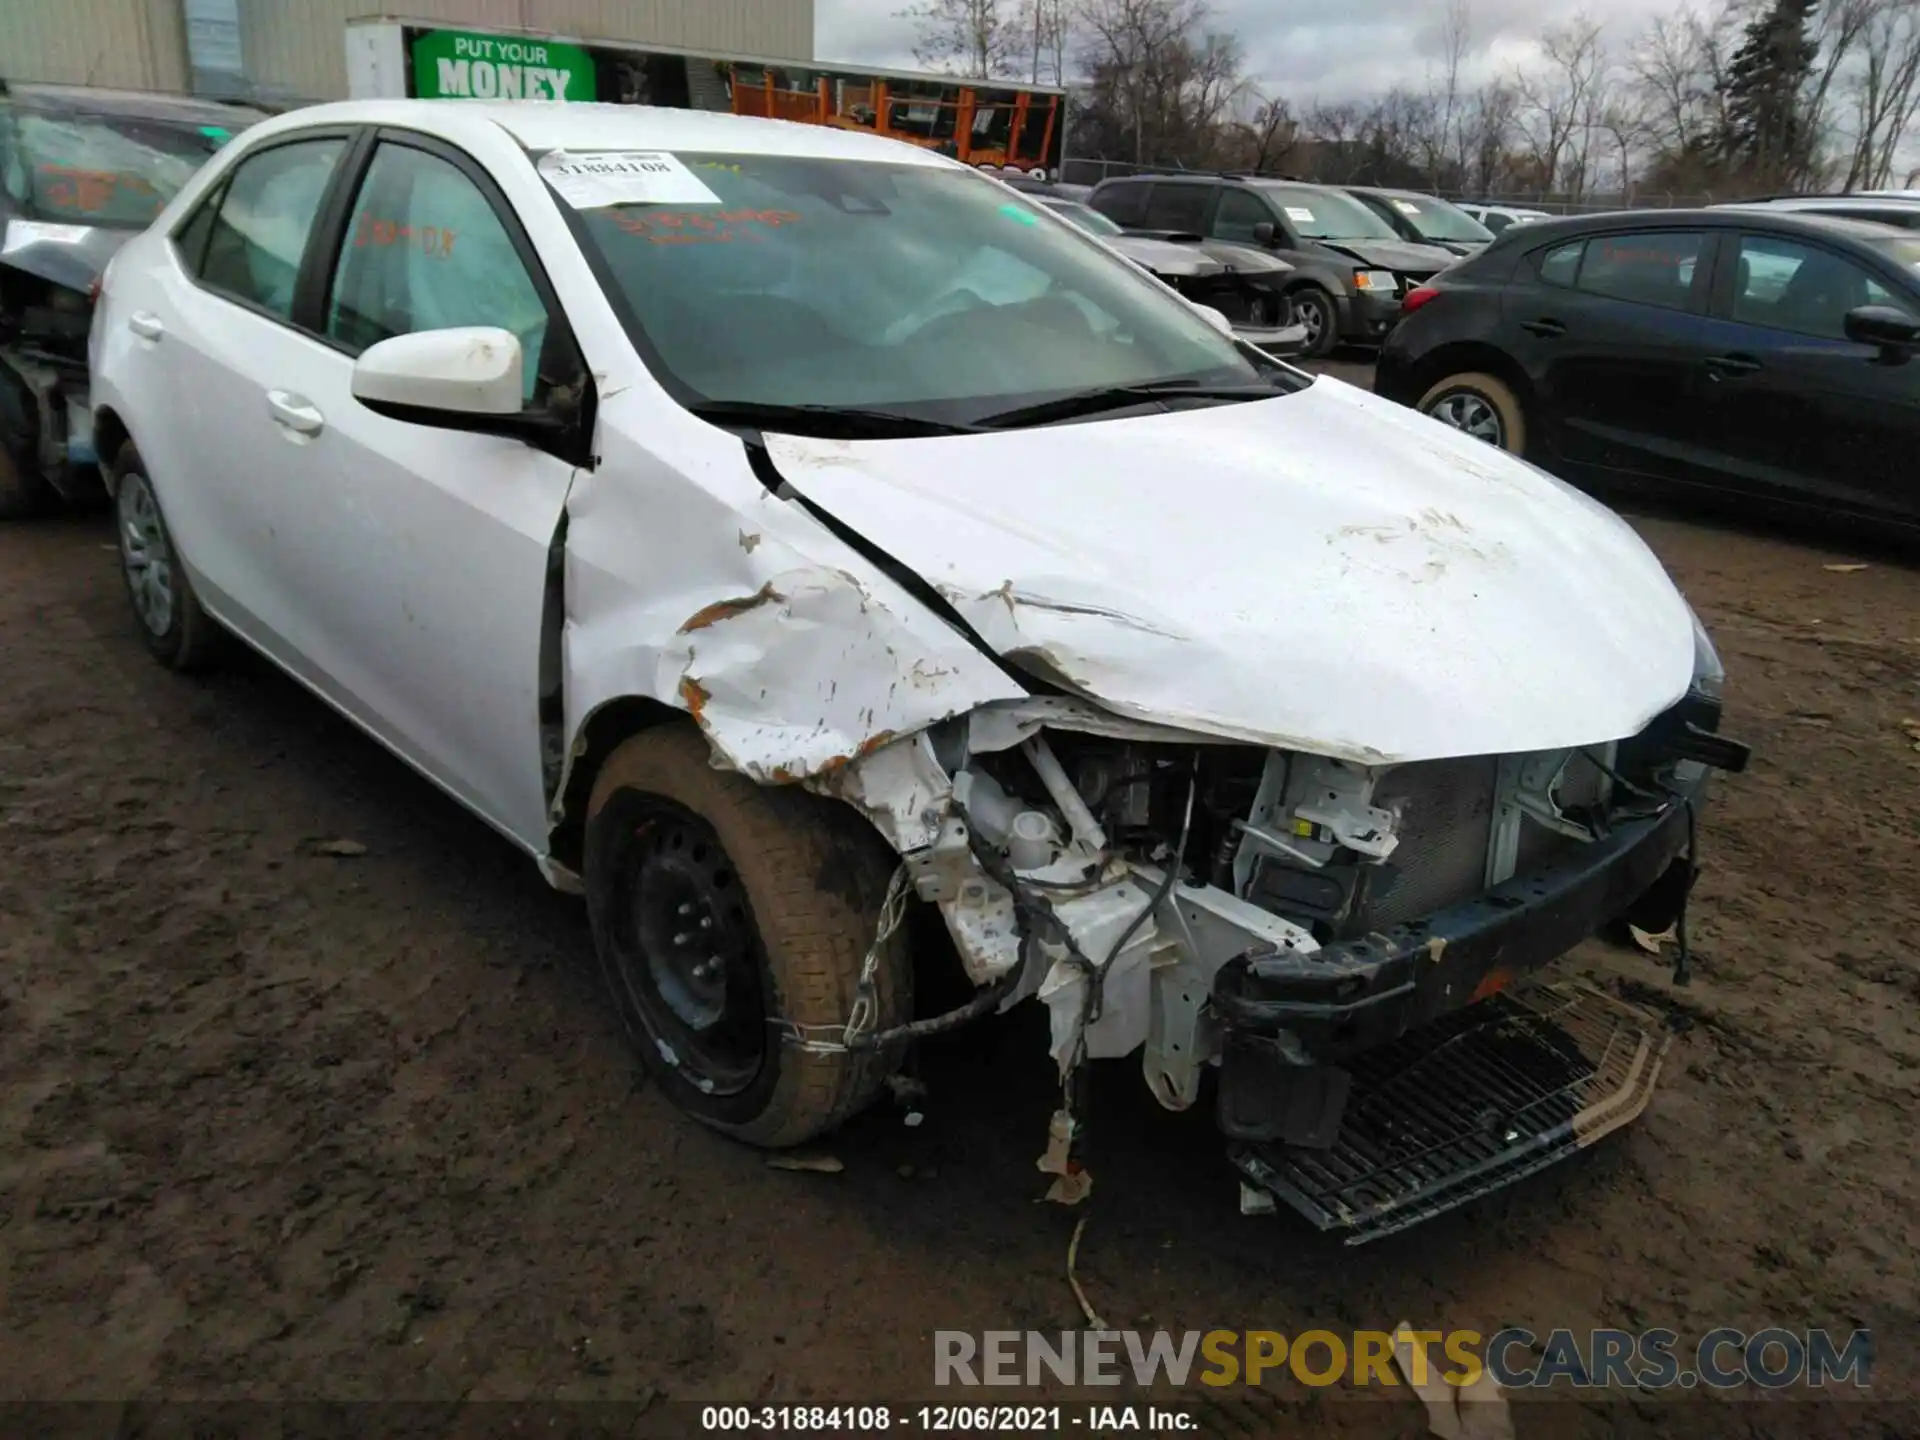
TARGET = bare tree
(1335,130)
(976,38)
(1270,130)
(1677,86)
(1045,26)
(1444,141)
(1840,27)
(1676,64)
(1487,123)
(1561,100)
(1885,90)
(1156,74)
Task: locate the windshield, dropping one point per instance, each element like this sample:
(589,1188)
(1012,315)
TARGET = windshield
(1085,216)
(1434,219)
(775,280)
(113,170)
(1324,215)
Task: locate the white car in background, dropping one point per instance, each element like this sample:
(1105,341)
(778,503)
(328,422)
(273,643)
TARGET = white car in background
(1500,217)
(661,486)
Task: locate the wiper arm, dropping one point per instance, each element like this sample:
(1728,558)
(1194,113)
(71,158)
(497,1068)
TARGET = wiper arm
(841,421)
(1119,397)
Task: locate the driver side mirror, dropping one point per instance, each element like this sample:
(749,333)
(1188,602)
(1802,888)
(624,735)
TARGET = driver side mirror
(1893,332)
(1265,232)
(433,376)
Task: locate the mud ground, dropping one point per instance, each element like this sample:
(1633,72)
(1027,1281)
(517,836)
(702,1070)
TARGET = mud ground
(277,1124)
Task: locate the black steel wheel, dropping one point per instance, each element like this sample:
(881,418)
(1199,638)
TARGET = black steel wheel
(683,948)
(732,921)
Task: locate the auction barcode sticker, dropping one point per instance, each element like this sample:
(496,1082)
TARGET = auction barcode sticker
(623,177)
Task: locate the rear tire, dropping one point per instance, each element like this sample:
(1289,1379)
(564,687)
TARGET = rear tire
(1479,405)
(1315,309)
(23,491)
(179,634)
(719,906)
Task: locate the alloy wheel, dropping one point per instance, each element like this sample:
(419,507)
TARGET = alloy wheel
(1470,414)
(145,554)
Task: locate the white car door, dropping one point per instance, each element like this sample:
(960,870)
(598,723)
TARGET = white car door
(210,317)
(416,555)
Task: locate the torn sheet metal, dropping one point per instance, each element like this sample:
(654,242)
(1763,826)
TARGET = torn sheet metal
(1119,1022)
(1323,571)
(1004,725)
(71,256)
(901,788)
(695,587)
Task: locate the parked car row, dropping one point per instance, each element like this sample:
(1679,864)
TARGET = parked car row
(1350,265)
(1248,288)
(768,527)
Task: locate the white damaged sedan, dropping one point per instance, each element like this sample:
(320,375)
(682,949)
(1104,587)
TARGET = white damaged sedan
(769,528)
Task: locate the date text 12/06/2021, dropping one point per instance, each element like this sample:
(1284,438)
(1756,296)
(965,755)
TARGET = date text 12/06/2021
(941,1419)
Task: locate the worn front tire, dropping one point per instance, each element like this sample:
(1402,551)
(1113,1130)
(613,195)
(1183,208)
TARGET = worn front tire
(178,633)
(1483,406)
(720,907)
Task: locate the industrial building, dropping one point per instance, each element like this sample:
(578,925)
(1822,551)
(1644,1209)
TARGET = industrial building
(286,51)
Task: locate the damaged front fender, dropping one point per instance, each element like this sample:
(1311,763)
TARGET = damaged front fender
(792,653)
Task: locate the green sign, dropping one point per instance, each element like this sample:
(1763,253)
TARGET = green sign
(461,65)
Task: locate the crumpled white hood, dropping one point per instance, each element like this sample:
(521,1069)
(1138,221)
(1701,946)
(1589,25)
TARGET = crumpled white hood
(1323,571)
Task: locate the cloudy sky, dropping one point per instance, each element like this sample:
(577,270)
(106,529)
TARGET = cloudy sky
(1305,49)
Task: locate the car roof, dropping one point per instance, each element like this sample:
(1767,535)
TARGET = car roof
(1891,204)
(1201,177)
(1719,217)
(1399,190)
(1276,182)
(139,104)
(573,125)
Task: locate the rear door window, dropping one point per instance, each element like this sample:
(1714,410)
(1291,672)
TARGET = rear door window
(261,221)
(1561,265)
(1654,268)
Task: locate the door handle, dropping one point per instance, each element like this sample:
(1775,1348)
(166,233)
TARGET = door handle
(294,412)
(1728,367)
(146,325)
(1545,328)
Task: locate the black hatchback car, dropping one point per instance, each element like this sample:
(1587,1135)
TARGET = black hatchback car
(1350,267)
(1762,353)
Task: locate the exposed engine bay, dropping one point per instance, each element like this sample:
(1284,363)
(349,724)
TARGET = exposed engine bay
(46,426)
(1248,289)
(1196,900)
